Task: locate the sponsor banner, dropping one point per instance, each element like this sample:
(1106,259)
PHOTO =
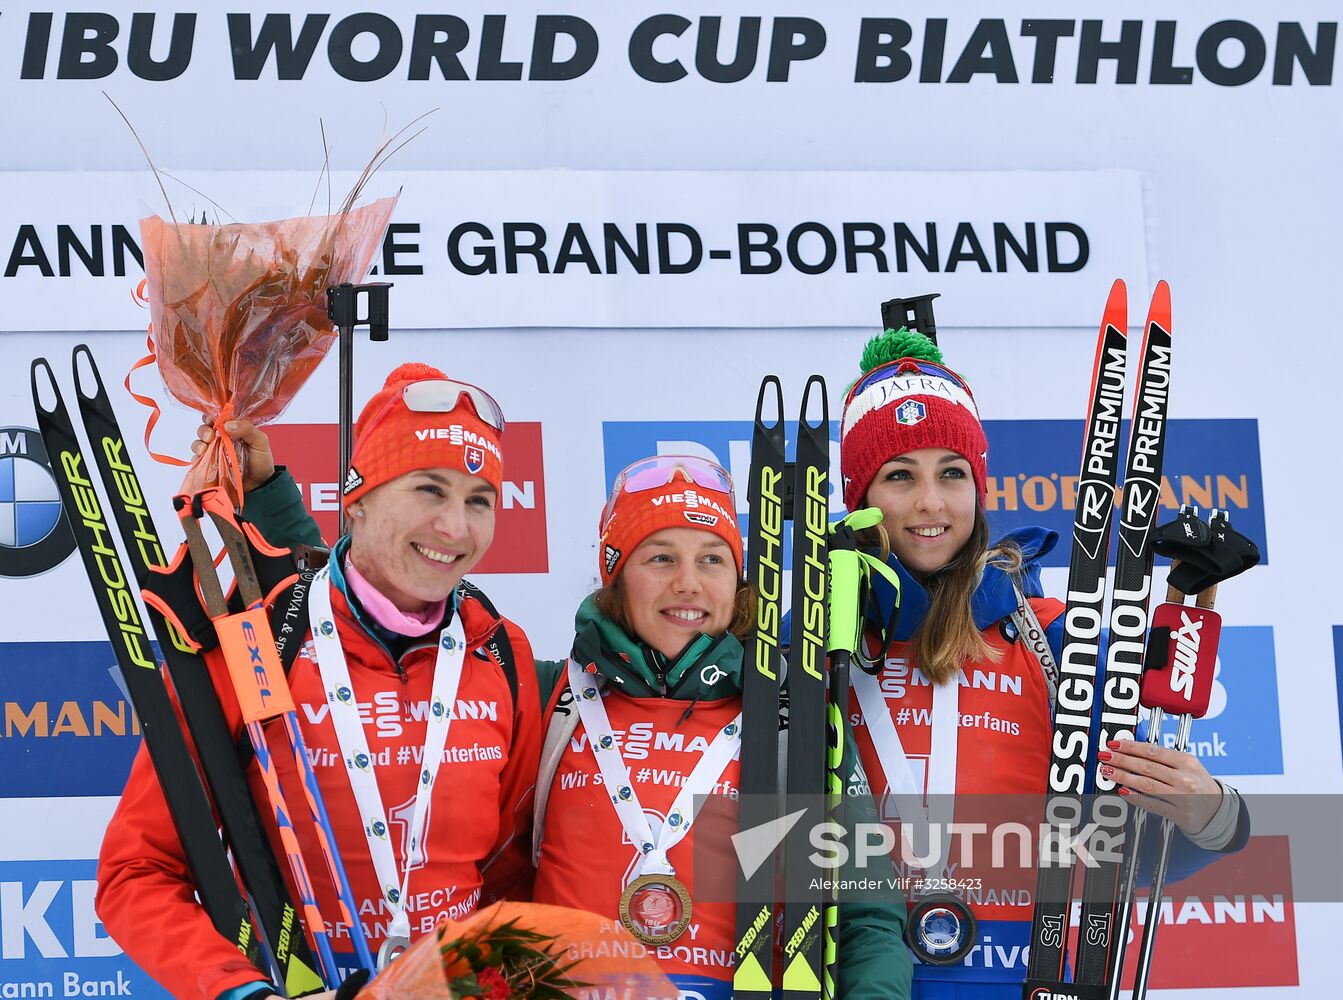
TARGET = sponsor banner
(623,249)
(34,535)
(310,451)
(52,943)
(1233,924)
(1241,732)
(67,726)
(1209,463)
(1034,463)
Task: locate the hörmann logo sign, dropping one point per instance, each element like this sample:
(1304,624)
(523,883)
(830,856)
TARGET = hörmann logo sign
(66,726)
(1208,462)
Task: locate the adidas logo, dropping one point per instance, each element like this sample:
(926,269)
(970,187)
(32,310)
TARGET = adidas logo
(352,481)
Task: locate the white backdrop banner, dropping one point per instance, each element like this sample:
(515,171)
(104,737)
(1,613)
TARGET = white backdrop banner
(623,248)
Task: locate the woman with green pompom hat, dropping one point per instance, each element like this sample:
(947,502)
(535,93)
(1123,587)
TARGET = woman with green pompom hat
(958,716)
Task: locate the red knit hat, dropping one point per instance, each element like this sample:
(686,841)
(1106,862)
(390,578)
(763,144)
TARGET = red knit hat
(444,430)
(696,493)
(904,405)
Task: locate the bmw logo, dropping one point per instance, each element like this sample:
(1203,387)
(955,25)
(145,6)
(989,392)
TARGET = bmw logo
(34,534)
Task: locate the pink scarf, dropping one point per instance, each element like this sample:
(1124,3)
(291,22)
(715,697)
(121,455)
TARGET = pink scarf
(387,614)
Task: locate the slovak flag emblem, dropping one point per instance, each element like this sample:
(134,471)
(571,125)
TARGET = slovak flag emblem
(475,459)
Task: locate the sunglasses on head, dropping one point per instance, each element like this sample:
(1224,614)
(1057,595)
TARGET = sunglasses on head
(660,470)
(444,395)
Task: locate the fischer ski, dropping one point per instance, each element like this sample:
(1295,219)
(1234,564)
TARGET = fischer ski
(806,758)
(1070,759)
(215,748)
(163,738)
(1100,949)
(753,973)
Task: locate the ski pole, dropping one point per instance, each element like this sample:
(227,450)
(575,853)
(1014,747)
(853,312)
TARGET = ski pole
(850,570)
(1133,844)
(263,693)
(1194,662)
(342,305)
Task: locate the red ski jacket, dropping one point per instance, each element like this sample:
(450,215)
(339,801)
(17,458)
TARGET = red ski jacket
(476,839)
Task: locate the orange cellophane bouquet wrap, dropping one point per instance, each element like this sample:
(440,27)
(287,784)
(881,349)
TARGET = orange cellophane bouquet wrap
(239,314)
(523,950)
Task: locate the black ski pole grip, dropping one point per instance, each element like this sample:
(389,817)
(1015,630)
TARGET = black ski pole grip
(914,312)
(342,306)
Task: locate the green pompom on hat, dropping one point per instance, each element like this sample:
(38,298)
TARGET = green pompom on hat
(902,343)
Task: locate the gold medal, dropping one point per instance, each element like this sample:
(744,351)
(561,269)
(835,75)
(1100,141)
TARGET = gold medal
(655,908)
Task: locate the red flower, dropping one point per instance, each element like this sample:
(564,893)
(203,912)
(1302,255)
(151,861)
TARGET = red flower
(494,984)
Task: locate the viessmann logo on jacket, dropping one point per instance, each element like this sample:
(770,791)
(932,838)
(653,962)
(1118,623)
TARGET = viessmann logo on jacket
(644,738)
(389,715)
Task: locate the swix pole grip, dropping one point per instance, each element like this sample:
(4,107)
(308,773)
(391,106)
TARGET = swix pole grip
(1181,659)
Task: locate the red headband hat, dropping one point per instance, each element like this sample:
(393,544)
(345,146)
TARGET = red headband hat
(667,491)
(421,419)
(901,405)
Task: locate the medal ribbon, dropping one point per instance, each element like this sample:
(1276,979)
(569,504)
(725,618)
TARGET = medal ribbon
(616,775)
(359,766)
(939,805)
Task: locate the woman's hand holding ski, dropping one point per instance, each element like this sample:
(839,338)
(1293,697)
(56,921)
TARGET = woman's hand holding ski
(1164,781)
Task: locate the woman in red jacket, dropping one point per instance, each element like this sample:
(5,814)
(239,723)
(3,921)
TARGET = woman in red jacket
(645,717)
(426,802)
(957,719)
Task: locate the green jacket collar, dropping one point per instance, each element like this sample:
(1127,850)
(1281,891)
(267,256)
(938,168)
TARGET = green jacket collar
(706,669)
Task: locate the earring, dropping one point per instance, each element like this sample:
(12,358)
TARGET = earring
(359,512)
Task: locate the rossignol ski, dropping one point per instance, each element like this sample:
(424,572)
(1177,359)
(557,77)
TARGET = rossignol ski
(1070,758)
(272,906)
(1100,949)
(803,926)
(163,738)
(753,973)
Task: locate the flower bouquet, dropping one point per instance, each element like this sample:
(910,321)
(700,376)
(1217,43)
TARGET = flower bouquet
(239,313)
(522,950)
